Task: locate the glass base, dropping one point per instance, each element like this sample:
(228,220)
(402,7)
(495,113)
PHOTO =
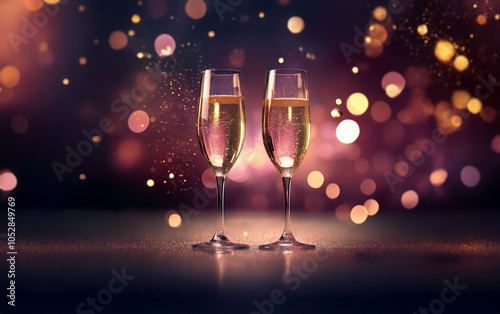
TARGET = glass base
(287,242)
(219,243)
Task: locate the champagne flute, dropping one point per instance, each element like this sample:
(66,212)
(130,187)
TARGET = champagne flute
(220,129)
(286,131)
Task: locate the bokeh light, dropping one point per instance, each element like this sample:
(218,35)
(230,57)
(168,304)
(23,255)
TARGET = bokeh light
(8,181)
(138,121)
(422,29)
(470,176)
(208,179)
(328,130)
(393,83)
(380,111)
(413,153)
(373,47)
(347,131)
(211,34)
(352,152)
(326,151)
(173,219)
(33,5)
(135,18)
(82,176)
(295,24)
(357,104)
(461,63)
(128,153)
(474,105)
(150,182)
(343,212)
(332,191)
(43,46)
(377,31)
(10,76)
(335,113)
(315,179)
(438,177)
(495,144)
(409,199)
(401,168)
(481,19)
(380,13)
(82,61)
(445,117)
(456,121)
(368,186)
(65,81)
(238,173)
(118,40)
(237,58)
(459,98)
(196,9)
(371,206)
(257,160)
(488,114)
(361,165)
(19,124)
(164,45)
(444,51)
(359,214)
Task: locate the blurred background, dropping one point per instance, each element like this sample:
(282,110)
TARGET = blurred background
(98,103)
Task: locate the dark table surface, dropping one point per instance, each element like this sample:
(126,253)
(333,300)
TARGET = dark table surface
(393,263)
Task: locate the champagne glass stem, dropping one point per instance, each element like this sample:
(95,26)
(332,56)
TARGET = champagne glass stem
(219,233)
(287,231)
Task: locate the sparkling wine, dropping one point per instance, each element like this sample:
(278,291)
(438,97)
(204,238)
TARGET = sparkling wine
(221,131)
(286,126)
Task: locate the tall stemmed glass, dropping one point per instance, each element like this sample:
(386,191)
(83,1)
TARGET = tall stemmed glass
(286,130)
(221,132)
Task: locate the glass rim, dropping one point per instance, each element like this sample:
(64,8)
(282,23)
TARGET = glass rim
(221,71)
(286,70)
